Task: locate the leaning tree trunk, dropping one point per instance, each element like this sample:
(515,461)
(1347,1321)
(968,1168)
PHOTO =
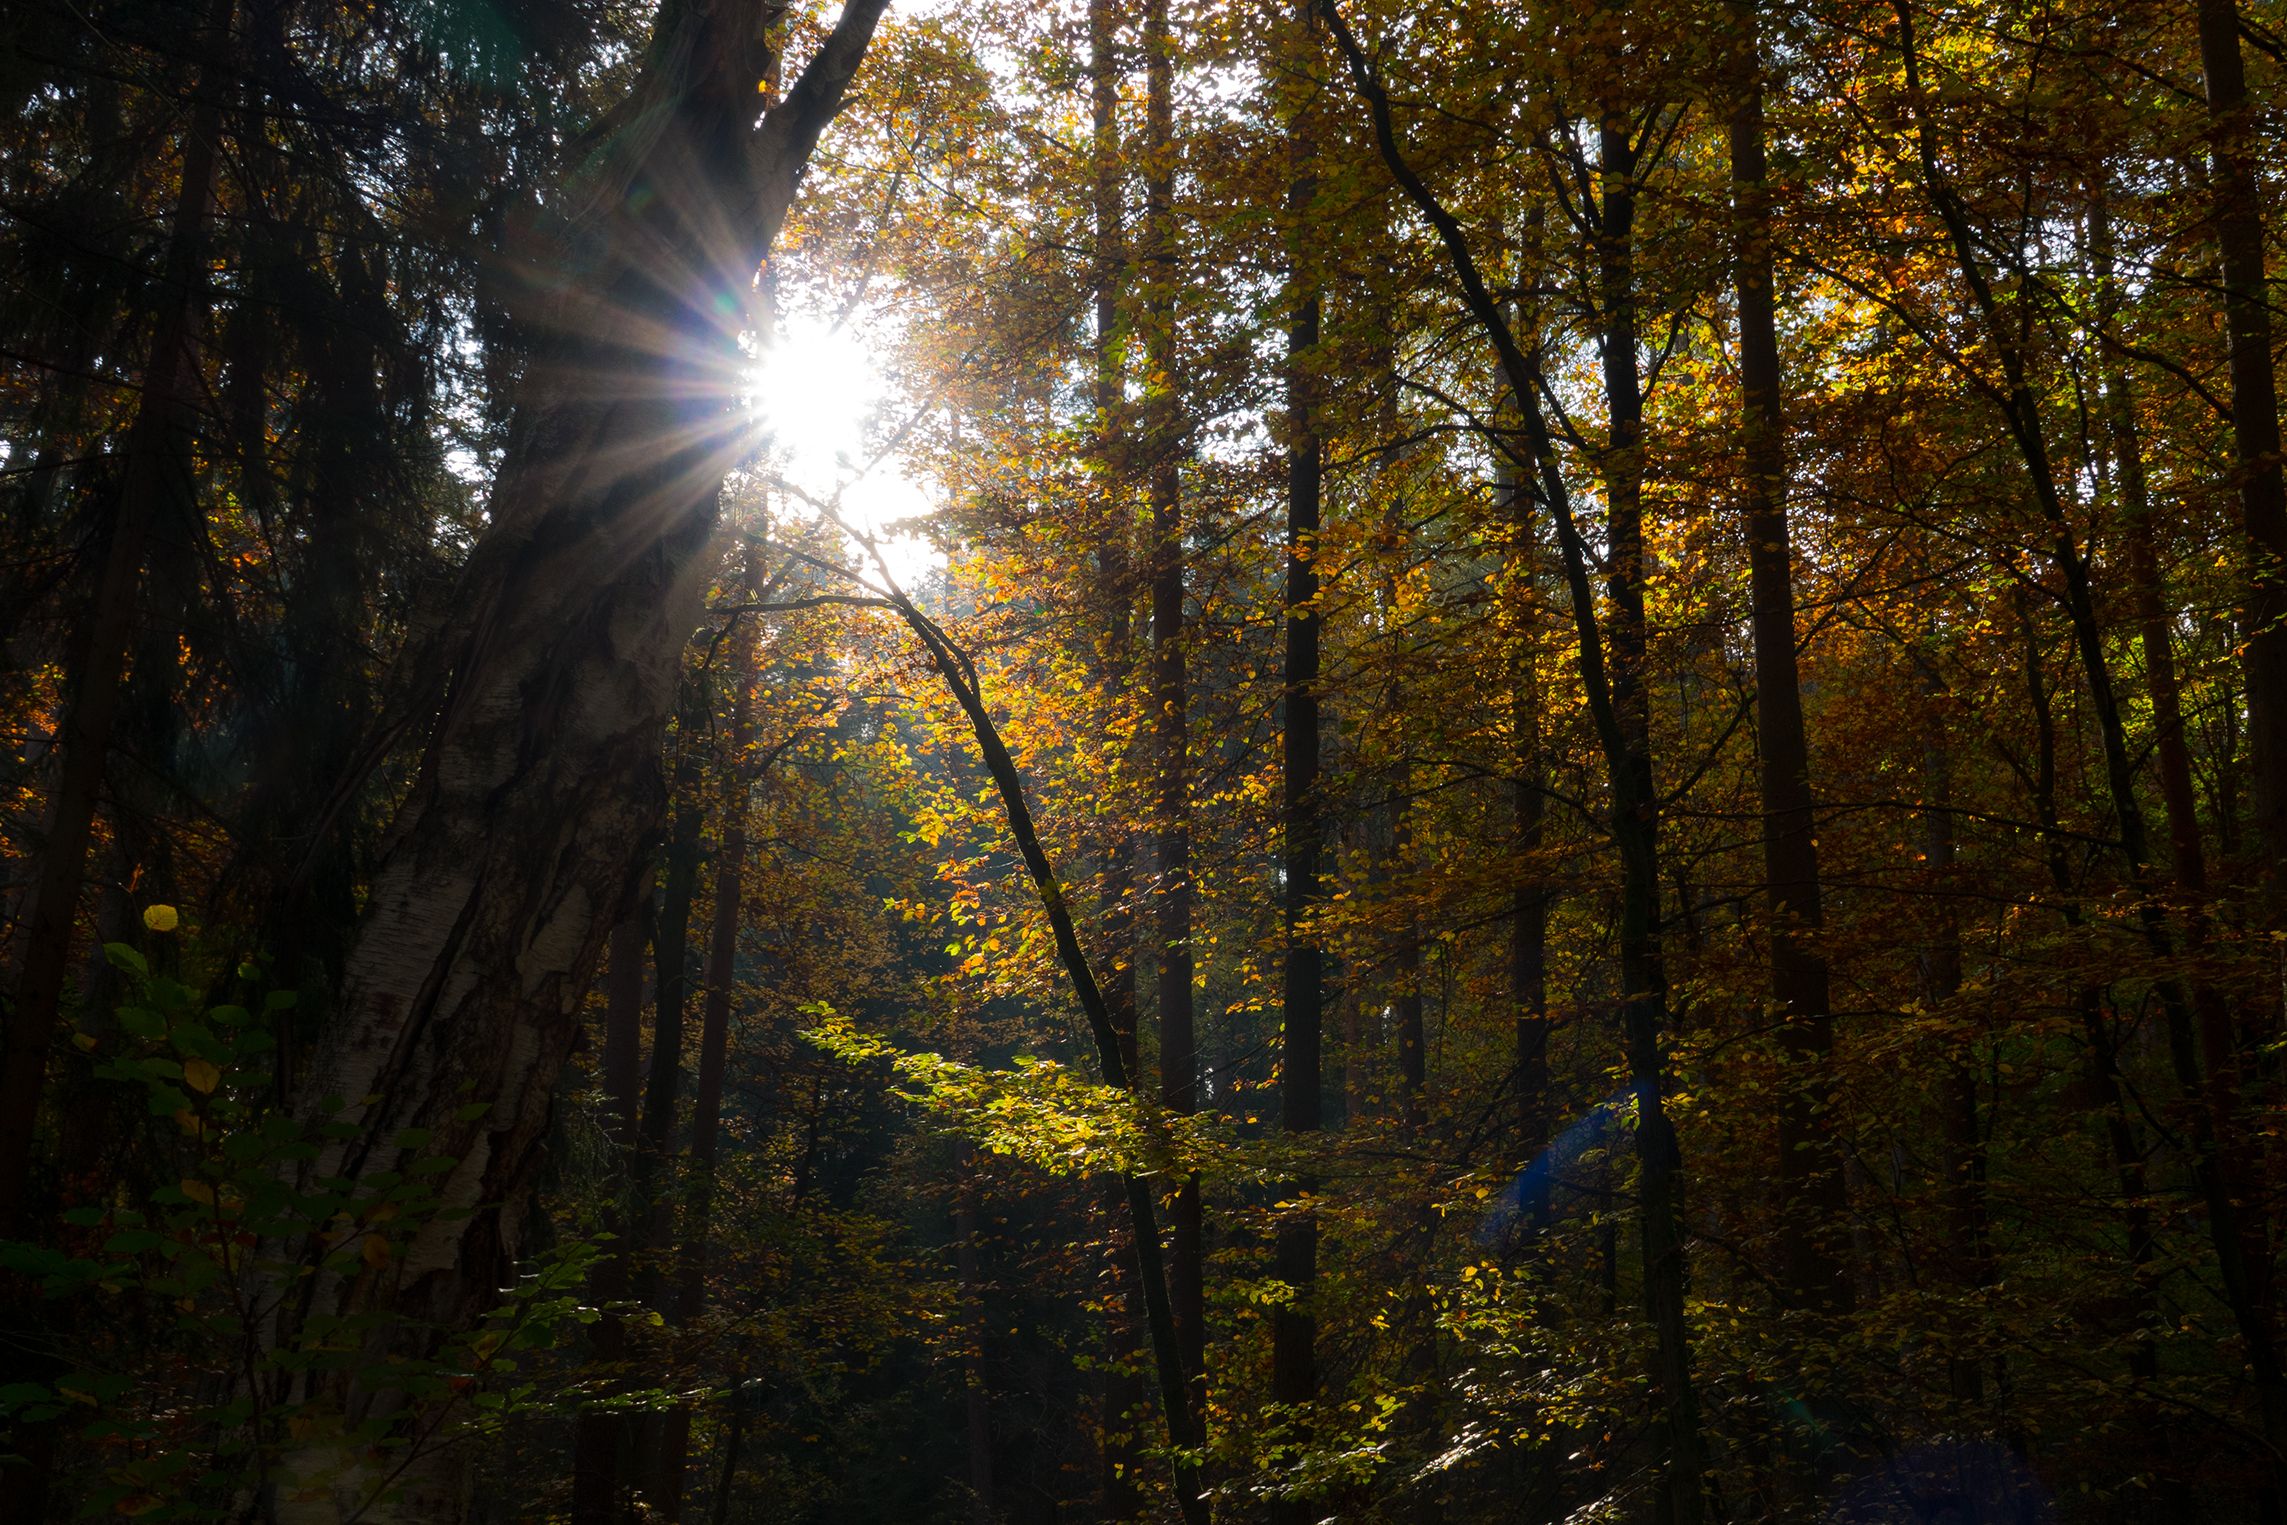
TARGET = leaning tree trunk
(516,850)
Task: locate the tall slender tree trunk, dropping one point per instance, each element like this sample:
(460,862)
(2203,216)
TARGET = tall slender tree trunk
(695,1241)
(1294,1325)
(1813,1200)
(1121,1390)
(660,1436)
(2237,186)
(1635,822)
(600,1433)
(1960,1126)
(1530,902)
(1178,1041)
(156,470)
(1406,974)
(2100,1058)
(976,1398)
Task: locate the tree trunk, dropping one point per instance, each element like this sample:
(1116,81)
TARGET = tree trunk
(1960,1127)
(1635,824)
(2254,416)
(671,1472)
(1812,1198)
(600,1434)
(1121,1390)
(1529,904)
(1294,1325)
(658,1181)
(515,851)
(976,1400)
(1178,1043)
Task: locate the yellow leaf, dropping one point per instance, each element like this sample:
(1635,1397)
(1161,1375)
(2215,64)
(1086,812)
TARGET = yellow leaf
(198,1191)
(160,918)
(201,1076)
(375,1250)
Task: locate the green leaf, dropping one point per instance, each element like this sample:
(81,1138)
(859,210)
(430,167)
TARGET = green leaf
(142,1023)
(126,960)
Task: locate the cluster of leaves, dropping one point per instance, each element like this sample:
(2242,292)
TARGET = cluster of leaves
(198,1267)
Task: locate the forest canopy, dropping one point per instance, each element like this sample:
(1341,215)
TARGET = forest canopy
(1128,760)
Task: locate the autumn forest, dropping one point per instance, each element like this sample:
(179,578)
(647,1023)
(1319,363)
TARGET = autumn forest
(1271,761)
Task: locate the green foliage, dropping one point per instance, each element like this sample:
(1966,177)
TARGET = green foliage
(206,1263)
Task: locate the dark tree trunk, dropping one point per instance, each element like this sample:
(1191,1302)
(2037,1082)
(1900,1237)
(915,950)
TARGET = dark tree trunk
(1294,1325)
(1813,1201)
(2100,1058)
(1178,1042)
(1960,1126)
(2254,415)
(1635,825)
(600,1433)
(976,1398)
(1529,904)
(695,1240)
(1122,1391)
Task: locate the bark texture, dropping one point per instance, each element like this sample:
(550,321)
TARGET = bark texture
(516,850)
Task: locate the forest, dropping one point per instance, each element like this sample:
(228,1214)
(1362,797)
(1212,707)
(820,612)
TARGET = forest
(1268,761)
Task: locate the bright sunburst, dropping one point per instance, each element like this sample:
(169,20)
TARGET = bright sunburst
(813,390)
(812,395)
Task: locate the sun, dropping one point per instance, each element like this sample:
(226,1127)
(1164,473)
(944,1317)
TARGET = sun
(813,395)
